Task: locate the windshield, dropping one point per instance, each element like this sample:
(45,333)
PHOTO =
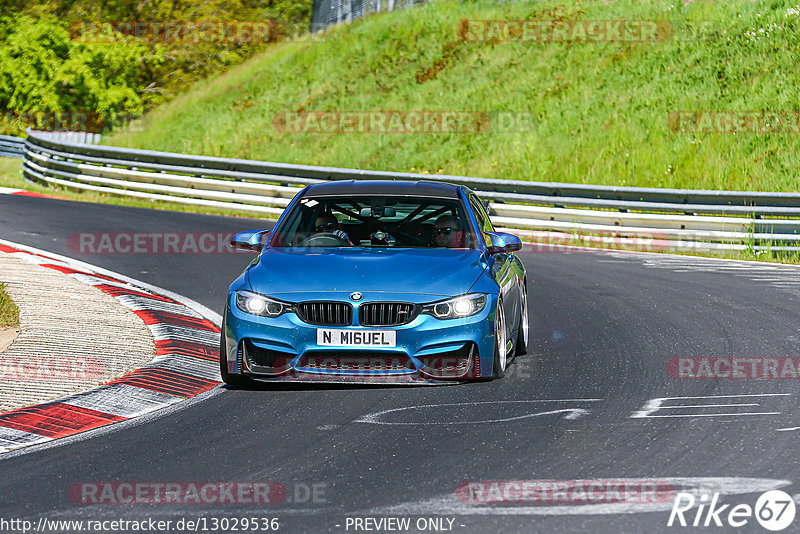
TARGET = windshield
(376,222)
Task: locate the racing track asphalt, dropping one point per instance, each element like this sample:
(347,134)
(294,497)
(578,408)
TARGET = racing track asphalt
(603,327)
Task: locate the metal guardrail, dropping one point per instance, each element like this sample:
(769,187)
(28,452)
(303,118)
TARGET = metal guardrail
(11,147)
(327,12)
(14,147)
(84,138)
(678,219)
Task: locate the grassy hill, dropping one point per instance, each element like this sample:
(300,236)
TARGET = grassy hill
(599,110)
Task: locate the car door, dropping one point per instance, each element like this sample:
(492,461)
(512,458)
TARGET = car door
(503,269)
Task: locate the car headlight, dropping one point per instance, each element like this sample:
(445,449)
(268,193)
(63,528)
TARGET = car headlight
(256,304)
(457,307)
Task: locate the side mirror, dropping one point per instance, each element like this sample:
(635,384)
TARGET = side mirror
(501,242)
(250,240)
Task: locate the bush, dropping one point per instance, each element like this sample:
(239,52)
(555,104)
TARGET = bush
(45,70)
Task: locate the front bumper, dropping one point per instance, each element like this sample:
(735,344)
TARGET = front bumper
(427,348)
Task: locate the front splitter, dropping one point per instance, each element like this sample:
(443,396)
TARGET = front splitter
(399,380)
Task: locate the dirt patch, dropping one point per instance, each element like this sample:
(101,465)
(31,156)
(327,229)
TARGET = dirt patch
(7,336)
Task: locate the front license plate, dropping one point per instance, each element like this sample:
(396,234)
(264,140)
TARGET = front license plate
(356,338)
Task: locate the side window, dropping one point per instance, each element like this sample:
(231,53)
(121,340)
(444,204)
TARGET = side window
(480,213)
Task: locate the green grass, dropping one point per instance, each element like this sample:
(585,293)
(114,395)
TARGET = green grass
(600,108)
(10,176)
(10,171)
(9,313)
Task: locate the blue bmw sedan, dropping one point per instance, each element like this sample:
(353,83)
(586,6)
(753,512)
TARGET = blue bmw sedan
(379,281)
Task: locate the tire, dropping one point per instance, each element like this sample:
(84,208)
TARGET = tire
(521,346)
(228,378)
(500,360)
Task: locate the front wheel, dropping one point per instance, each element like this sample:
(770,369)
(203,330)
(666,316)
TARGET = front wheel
(500,342)
(228,378)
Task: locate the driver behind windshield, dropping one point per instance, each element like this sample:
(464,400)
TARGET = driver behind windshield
(327,223)
(448,232)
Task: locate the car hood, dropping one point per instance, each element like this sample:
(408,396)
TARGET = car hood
(444,272)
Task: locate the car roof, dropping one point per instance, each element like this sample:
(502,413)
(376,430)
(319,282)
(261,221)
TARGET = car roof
(384,187)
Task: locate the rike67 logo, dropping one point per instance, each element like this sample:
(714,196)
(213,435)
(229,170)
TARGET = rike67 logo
(774,510)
